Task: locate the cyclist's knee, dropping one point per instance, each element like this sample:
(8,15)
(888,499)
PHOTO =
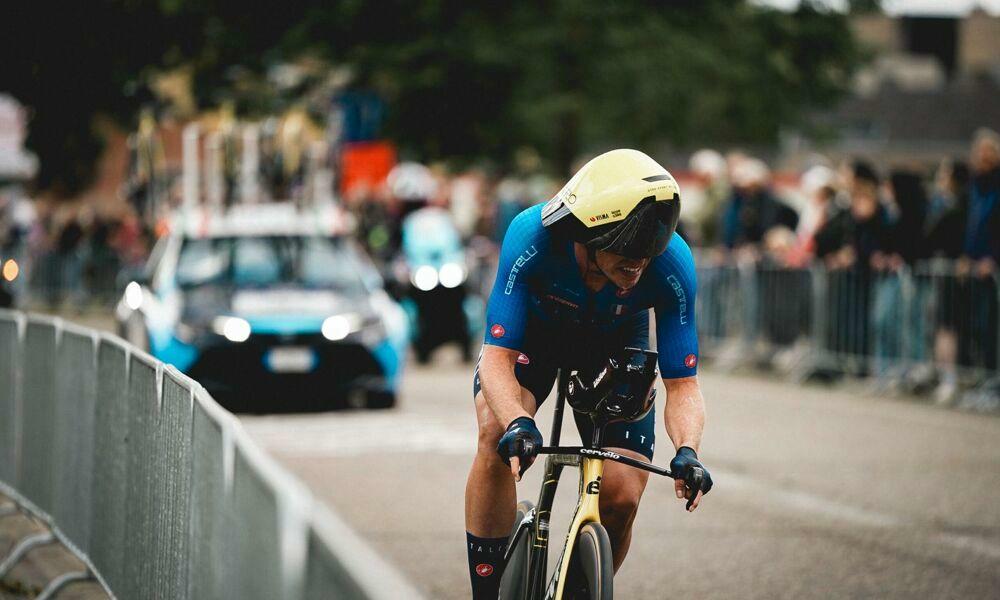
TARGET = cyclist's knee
(619,506)
(488,439)
(490,430)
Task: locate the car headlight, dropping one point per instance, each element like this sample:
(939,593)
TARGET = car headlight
(451,275)
(338,327)
(233,329)
(425,278)
(133,295)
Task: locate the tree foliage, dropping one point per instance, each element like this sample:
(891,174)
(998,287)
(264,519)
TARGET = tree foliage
(460,79)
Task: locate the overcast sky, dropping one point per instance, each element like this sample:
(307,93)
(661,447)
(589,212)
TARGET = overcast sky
(909,7)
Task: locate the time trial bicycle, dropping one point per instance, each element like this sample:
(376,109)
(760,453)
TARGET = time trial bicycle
(585,570)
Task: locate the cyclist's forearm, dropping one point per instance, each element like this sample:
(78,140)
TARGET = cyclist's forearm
(684,414)
(499,385)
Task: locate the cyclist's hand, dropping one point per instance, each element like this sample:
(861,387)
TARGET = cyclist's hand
(691,479)
(520,445)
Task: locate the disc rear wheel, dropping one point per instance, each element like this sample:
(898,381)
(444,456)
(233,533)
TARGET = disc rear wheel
(591,572)
(514,581)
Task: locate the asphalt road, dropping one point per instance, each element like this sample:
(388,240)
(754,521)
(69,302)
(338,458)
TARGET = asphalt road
(820,493)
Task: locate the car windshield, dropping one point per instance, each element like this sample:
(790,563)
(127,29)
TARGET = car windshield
(258,262)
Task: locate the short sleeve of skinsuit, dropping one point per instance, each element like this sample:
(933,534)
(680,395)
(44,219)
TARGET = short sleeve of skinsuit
(524,246)
(674,300)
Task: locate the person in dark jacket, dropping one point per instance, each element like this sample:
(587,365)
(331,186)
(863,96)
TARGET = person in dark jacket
(906,244)
(750,215)
(981,251)
(752,210)
(909,243)
(847,243)
(945,227)
(981,244)
(946,210)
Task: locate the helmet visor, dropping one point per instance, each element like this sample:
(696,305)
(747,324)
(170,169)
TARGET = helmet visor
(645,233)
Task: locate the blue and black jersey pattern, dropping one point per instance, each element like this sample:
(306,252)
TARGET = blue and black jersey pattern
(540,306)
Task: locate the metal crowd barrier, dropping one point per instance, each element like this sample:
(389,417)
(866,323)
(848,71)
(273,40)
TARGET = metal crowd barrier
(932,316)
(155,486)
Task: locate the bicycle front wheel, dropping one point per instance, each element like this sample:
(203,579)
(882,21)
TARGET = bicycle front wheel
(514,581)
(591,571)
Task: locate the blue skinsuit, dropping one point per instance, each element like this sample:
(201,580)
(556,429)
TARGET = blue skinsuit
(540,307)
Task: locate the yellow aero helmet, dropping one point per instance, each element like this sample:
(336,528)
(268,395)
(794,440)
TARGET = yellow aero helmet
(622,202)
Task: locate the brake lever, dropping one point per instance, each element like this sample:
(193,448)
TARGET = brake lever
(693,482)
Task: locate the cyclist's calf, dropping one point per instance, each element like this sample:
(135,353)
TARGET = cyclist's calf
(490,495)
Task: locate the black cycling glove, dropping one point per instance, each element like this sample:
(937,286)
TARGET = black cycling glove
(684,466)
(522,439)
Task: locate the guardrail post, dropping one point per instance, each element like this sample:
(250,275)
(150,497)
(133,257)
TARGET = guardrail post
(211,559)
(73,418)
(175,447)
(908,285)
(111,450)
(820,316)
(11,349)
(141,536)
(37,477)
(996,316)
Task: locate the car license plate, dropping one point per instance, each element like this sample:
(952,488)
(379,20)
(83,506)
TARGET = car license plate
(290,360)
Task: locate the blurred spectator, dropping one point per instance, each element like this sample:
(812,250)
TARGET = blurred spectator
(709,169)
(946,210)
(103,262)
(818,187)
(465,201)
(413,186)
(374,224)
(906,204)
(946,218)
(130,241)
(752,210)
(982,230)
(909,199)
(847,244)
(751,215)
(66,261)
(511,197)
(852,236)
(981,251)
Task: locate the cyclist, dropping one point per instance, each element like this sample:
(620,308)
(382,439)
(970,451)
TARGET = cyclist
(576,279)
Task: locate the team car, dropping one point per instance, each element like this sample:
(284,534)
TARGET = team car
(269,307)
